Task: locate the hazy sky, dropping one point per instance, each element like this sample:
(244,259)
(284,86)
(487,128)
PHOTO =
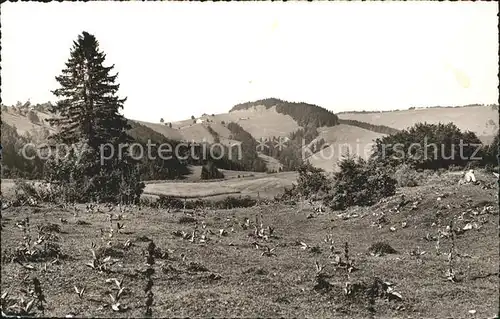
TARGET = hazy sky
(181,59)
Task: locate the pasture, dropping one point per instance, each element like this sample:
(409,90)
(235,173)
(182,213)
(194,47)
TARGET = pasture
(228,263)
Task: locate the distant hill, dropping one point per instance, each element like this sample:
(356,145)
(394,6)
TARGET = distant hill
(275,118)
(303,113)
(480,119)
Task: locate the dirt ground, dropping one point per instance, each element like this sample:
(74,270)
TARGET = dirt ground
(228,276)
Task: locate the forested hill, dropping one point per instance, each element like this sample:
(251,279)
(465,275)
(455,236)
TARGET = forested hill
(304,113)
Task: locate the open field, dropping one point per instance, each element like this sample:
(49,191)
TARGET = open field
(230,276)
(252,184)
(262,184)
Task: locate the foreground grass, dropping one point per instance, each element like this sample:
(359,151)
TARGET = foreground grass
(229,277)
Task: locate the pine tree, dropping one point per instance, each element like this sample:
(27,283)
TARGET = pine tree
(88,114)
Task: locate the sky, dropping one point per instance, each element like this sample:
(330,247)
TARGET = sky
(180,59)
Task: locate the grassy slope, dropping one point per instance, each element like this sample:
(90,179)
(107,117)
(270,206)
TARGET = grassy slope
(163,129)
(22,123)
(482,120)
(252,285)
(341,138)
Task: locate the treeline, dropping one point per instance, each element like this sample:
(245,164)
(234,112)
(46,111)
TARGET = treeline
(155,168)
(14,163)
(289,150)
(250,159)
(23,108)
(31,166)
(214,134)
(371,127)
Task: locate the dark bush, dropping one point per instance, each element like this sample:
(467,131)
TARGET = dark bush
(186,220)
(428,146)
(32,117)
(210,171)
(406,176)
(359,183)
(381,248)
(170,202)
(235,202)
(311,181)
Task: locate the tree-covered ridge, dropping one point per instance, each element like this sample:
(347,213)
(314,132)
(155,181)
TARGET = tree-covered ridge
(371,127)
(250,158)
(214,134)
(304,113)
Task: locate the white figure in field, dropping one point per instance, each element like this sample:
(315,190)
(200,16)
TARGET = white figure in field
(468,178)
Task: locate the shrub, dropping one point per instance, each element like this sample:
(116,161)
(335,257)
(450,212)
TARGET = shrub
(226,203)
(79,181)
(186,220)
(359,183)
(491,152)
(32,117)
(26,192)
(381,248)
(210,171)
(405,176)
(170,202)
(235,202)
(311,181)
(428,146)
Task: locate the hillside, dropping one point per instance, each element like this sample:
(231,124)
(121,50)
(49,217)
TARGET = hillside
(482,120)
(22,123)
(341,139)
(270,118)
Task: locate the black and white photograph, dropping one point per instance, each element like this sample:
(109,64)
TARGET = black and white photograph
(249,159)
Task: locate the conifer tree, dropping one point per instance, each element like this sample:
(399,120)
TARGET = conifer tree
(88,114)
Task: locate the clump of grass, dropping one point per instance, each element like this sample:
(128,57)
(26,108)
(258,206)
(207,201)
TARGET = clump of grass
(45,246)
(187,220)
(196,267)
(381,248)
(322,285)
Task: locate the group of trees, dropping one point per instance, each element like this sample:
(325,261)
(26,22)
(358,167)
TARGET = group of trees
(214,134)
(250,159)
(430,146)
(210,171)
(395,158)
(15,164)
(356,183)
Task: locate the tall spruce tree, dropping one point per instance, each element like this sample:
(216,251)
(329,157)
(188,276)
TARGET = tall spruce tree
(88,115)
